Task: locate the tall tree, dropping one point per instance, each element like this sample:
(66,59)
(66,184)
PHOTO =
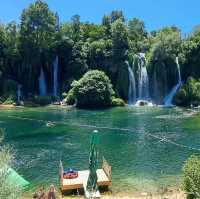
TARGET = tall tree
(137,35)
(120,41)
(37,36)
(37,30)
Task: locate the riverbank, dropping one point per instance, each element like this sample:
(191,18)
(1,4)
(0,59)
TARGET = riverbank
(169,194)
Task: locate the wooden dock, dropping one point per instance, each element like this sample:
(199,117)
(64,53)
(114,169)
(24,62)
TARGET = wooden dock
(103,176)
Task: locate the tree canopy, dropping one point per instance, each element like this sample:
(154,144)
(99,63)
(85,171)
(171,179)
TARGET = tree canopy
(80,46)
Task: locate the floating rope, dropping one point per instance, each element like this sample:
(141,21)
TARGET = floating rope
(161,139)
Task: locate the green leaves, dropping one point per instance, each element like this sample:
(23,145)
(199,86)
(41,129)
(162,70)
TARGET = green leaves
(189,94)
(93,90)
(191,178)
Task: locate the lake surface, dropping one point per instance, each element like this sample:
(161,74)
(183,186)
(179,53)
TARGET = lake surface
(145,146)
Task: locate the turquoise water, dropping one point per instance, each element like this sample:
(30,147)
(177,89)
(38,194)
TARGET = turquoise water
(145,146)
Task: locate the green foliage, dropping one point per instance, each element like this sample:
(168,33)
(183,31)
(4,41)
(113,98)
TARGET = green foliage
(138,36)
(166,44)
(93,90)
(9,88)
(82,46)
(120,40)
(70,98)
(37,29)
(118,102)
(191,177)
(191,55)
(189,94)
(6,190)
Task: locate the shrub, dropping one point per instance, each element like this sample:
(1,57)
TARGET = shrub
(191,177)
(10,99)
(6,190)
(93,90)
(189,94)
(70,98)
(118,102)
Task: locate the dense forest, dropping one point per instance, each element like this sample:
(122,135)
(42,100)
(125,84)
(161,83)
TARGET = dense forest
(40,48)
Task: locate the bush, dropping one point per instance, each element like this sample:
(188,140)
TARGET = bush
(118,102)
(191,177)
(6,190)
(189,94)
(10,100)
(9,92)
(42,100)
(70,98)
(93,90)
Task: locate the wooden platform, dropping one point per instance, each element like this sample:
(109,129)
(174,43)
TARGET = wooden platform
(103,175)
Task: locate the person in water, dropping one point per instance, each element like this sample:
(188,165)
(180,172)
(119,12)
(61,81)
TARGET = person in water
(52,194)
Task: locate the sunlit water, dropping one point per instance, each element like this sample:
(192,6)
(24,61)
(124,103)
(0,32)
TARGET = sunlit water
(146,146)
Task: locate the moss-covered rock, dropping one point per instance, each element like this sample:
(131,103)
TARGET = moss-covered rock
(118,102)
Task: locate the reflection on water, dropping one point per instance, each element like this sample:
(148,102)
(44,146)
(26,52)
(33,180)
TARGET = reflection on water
(145,146)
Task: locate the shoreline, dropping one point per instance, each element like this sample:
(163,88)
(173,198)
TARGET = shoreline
(166,194)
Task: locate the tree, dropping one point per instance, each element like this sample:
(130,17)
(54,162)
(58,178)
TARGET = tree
(120,41)
(115,15)
(37,29)
(76,27)
(191,177)
(137,35)
(93,90)
(191,55)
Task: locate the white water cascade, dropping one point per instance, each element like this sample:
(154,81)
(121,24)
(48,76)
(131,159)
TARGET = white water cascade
(143,80)
(19,92)
(42,83)
(168,99)
(55,76)
(131,89)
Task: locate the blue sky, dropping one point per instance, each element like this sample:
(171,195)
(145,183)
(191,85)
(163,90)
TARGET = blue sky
(156,13)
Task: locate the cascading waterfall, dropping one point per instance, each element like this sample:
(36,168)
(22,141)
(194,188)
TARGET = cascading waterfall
(55,77)
(19,92)
(168,99)
(131,89)
(42,83)
(143,80)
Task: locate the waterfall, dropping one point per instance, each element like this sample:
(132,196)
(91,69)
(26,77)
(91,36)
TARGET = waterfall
(131,89)
(168,99)
(42,83)
(19,93)
(55,77)
(143,80)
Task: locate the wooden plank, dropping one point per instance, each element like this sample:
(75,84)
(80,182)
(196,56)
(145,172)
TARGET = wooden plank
(107,168)
(77,183)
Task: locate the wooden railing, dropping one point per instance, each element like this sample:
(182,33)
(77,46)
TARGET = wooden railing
(107,168)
